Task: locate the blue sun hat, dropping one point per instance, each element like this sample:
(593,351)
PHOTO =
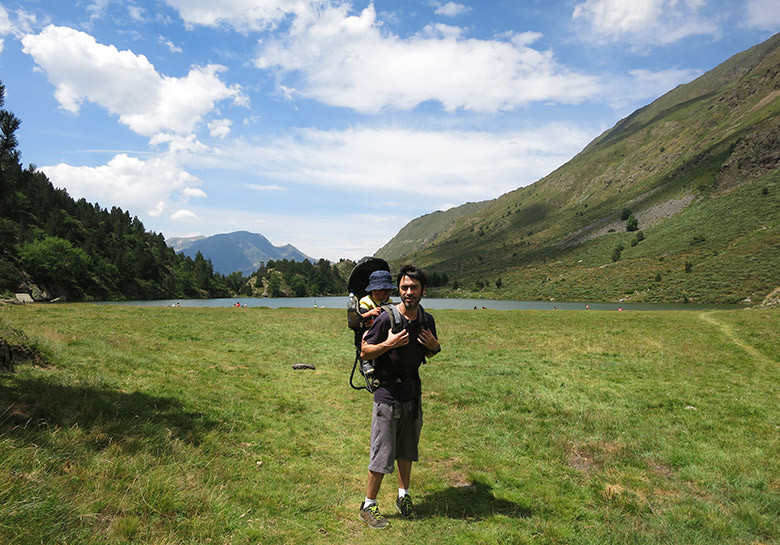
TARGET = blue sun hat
(380,280)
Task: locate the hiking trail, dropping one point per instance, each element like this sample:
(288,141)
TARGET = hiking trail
(728,331)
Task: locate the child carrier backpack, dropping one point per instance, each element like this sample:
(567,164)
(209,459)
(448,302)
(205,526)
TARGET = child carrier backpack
(356,286)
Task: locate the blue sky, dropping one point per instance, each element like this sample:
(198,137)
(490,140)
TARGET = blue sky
(330,125)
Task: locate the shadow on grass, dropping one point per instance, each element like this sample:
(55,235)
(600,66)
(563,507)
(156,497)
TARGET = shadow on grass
(36,410)
(475,501)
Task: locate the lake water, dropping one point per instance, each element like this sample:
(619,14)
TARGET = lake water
(429,303)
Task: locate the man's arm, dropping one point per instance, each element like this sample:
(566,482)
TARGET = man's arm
(394,340)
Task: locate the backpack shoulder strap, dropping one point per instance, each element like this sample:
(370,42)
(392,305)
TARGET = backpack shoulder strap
(422,317)
(395,317)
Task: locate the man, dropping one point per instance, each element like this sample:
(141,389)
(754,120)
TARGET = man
(397,414)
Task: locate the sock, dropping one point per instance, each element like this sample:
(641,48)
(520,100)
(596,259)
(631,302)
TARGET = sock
(368,502)
(403,492)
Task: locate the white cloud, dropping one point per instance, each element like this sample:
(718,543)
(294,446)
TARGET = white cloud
(5,22)
(124,83)
(645,22)
(184,215)
(349,61)
(243,15)
(451,9)
(149,187)
(136,13)
(21,24)
(430,165)
(257,187)
(193,192)
(172,47)
(178,143)
(763,14)
(220,128)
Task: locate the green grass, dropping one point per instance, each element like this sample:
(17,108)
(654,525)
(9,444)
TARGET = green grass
(189,425)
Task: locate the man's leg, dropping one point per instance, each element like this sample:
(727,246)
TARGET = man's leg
(374,482)
(404,473)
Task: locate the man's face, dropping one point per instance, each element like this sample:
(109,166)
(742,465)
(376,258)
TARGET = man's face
(411,292)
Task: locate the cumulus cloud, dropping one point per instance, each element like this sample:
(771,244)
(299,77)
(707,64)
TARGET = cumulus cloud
(149,187)
(350,61)
(184,215)
(645,22)
(220,128)
(763,15)
(124,83)
(451,9)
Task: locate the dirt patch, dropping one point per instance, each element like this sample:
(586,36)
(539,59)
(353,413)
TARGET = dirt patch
(659,469)
(772,300)
(582,462)
(646,217)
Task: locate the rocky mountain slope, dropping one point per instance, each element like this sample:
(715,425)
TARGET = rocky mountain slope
(678,201)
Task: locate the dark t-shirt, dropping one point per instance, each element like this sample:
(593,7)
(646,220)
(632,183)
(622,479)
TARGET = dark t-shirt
(399,363)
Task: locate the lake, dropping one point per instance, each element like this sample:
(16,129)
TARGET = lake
(432,303)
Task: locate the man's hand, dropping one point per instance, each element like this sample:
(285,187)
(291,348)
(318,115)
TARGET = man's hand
(394,340)
(427,339)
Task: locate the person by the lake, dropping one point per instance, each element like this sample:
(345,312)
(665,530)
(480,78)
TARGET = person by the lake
(397,412)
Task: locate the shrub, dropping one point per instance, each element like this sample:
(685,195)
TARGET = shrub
(632,224)
(617,251)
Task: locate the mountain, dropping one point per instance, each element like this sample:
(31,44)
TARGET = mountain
(181,243)
(239,251)
(680,201)
(423,230)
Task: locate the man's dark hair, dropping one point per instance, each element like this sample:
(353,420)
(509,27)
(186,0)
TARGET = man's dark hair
(414,273)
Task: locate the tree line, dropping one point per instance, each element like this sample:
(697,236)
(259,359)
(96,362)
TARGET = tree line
(280,278)
(73,248)
(80,250)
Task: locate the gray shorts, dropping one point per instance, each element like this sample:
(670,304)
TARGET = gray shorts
(394,434)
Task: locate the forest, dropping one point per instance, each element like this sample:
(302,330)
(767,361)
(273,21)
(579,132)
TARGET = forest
(53,246)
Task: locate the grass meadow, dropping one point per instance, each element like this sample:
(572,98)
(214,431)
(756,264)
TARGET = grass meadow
(160,425)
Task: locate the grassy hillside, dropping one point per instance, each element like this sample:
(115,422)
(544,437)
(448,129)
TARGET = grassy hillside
(154,425)
(422,231)
(697,169)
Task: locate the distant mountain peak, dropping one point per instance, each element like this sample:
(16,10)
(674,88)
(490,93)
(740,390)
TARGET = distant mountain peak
(237,251)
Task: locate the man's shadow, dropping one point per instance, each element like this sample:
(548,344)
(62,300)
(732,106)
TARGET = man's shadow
(474,501)
(32,409)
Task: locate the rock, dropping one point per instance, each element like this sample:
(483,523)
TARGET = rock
(24,298)
(298,366)
(40,293)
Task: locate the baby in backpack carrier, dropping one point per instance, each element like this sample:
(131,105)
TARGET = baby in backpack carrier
(380,286)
